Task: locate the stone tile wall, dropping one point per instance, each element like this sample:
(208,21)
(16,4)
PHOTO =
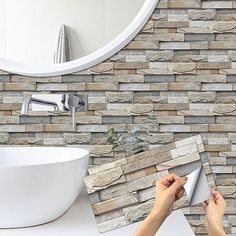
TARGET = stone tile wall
(122,192)
(182,65)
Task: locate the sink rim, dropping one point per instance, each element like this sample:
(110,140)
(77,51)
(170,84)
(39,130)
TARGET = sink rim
(59,155)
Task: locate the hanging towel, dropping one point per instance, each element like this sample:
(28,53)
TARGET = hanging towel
(62,52)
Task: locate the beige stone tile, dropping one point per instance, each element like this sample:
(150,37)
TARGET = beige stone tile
(19,86)
(115,203)
(98,181)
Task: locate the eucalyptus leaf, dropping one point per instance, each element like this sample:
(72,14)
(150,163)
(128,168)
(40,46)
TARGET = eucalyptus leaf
(138,149)
(129,139)
(111,132)
(111,140)
(134,140)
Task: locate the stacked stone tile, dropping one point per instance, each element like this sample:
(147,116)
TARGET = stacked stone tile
(182,65)
(123,191)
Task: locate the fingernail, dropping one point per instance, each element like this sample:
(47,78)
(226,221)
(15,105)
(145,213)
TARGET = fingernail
(185,178)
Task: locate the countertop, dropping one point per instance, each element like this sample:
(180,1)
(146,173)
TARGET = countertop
(79,220)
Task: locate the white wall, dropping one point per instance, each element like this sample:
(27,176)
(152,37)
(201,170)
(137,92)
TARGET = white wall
(2,28)
(29,28)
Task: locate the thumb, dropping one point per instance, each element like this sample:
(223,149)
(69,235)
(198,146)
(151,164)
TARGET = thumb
(179,183)
(211,199)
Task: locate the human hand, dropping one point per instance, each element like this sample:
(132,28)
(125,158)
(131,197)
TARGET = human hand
(214,208)
(168,190)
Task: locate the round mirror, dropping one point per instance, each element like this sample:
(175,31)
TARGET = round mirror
(50,37)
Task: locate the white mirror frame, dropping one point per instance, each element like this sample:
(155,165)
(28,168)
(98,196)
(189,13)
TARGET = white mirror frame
(90,60)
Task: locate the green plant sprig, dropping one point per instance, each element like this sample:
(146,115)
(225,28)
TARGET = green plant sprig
(131,141)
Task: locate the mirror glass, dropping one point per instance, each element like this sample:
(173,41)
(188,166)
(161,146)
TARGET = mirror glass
(29,29)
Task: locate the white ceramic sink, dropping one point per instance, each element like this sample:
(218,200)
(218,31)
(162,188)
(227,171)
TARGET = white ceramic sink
(39,184)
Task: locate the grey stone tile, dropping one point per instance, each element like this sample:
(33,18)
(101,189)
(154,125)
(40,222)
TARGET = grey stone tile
(231,78)
(4,78)
(117,120)
(159,78)
(4,138)
(76,78)
(34,120)
(199,37)
(199,120)
(231,160)
(185,169)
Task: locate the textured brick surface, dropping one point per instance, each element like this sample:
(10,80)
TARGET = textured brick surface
(130,183)
(194,91)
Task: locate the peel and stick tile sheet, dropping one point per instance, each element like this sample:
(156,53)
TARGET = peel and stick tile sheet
(122,192)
